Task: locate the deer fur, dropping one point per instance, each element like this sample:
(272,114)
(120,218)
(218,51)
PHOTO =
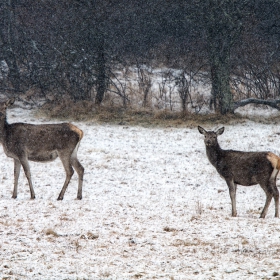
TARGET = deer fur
(244,168)
(41,143)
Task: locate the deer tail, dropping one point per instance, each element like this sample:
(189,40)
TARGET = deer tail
(274,160)
(77,130)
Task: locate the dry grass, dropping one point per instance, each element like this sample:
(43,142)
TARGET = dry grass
(89,236)
(192,242)
(169,229)
(68,109)
(199,208)
(148,117)
(51,232)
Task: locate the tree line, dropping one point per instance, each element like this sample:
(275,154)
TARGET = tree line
(76,47)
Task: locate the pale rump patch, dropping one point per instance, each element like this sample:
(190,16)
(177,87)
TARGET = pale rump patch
(77,130)
(274,159)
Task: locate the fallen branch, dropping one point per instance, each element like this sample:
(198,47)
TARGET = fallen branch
(272,103)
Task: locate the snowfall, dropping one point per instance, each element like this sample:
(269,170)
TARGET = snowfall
(153,207)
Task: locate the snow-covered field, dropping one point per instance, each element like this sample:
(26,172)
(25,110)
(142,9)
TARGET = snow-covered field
(153,208)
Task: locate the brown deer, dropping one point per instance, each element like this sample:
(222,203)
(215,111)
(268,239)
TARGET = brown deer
(244,168)
(41,143)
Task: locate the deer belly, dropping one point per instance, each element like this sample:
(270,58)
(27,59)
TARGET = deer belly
(240,178)
(43,157)
(243,181)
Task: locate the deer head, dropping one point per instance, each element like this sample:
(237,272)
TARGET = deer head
(210,137)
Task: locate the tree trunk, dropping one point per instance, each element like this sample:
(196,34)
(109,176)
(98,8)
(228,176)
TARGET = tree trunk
(101,79)
(8,39)
(220,77)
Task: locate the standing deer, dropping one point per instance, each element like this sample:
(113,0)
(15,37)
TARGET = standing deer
(244,168)
(41,143)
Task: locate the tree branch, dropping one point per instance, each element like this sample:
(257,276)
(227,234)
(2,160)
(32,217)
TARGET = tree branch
(272,103)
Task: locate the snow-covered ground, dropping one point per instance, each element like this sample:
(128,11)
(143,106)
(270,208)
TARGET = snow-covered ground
(153,208)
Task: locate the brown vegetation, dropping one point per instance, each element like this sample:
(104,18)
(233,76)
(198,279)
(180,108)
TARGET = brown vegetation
(88,111)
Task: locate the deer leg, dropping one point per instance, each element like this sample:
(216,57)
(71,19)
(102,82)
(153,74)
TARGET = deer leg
(276,201)
(69,173)
(80,170)
(271,190)
(272,183)
(26,168)
(268,189)
(267,203)
(232,193)
(17,166)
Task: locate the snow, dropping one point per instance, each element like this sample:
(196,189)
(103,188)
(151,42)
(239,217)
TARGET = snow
(153,208)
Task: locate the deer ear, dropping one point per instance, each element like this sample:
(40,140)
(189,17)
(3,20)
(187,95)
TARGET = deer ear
(10,102)
(220,131)
(201,130)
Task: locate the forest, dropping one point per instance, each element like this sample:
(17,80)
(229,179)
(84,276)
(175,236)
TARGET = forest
(78,48)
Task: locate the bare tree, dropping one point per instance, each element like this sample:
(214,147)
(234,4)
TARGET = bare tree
(144,81)
(119,85)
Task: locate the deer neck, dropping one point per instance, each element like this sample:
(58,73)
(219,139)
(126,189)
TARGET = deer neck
(213,153)
(3,127)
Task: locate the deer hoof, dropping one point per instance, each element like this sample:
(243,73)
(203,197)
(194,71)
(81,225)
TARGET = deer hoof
(14,196)
(79,197)
(60,198)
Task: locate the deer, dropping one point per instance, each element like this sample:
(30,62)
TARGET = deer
(244,168)
(26,142)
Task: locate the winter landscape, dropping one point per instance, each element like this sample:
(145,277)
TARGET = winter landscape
(153,208)
(138,77)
